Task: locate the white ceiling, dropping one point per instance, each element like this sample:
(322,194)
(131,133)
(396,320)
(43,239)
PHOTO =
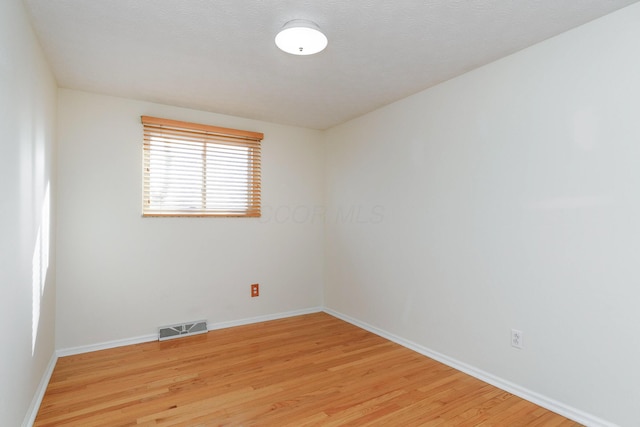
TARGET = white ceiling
(219,55)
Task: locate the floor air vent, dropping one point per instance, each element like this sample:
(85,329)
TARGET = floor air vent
(182,330)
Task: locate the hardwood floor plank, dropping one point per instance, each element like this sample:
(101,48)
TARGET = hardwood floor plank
(311,370)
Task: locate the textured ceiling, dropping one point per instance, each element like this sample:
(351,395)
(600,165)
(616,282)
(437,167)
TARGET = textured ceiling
(219,55)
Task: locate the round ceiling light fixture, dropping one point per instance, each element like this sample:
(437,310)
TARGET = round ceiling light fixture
(301,37)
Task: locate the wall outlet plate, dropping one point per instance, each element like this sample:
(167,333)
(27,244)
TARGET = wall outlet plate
(516,338)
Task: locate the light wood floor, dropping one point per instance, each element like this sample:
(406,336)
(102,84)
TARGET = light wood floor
(312,370)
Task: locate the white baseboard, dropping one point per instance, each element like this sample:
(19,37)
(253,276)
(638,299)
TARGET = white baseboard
(32,412)
(265,318)
(540,400)
(105,345)
(154,337)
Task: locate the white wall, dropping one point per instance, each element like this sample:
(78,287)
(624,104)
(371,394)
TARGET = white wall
(122,276)
(506,198)
(27,276)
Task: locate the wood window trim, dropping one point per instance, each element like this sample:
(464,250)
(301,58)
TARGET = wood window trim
(216,130)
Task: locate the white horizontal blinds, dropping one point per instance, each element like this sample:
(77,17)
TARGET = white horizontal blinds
(199,170)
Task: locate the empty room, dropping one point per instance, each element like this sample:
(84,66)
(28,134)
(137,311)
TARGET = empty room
(322,213)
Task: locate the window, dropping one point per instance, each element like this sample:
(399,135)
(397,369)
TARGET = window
(199,170)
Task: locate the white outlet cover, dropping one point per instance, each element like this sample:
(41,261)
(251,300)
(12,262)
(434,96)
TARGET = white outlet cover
(516,338)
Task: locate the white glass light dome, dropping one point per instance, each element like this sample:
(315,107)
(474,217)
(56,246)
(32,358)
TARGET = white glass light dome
(301,37)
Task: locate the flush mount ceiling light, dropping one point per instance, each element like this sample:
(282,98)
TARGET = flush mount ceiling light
(301,37)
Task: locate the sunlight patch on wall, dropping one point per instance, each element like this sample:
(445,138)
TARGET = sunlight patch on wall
(40,266)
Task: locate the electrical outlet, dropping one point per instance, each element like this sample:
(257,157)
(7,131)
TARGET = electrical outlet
(255,290)
(516,338)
